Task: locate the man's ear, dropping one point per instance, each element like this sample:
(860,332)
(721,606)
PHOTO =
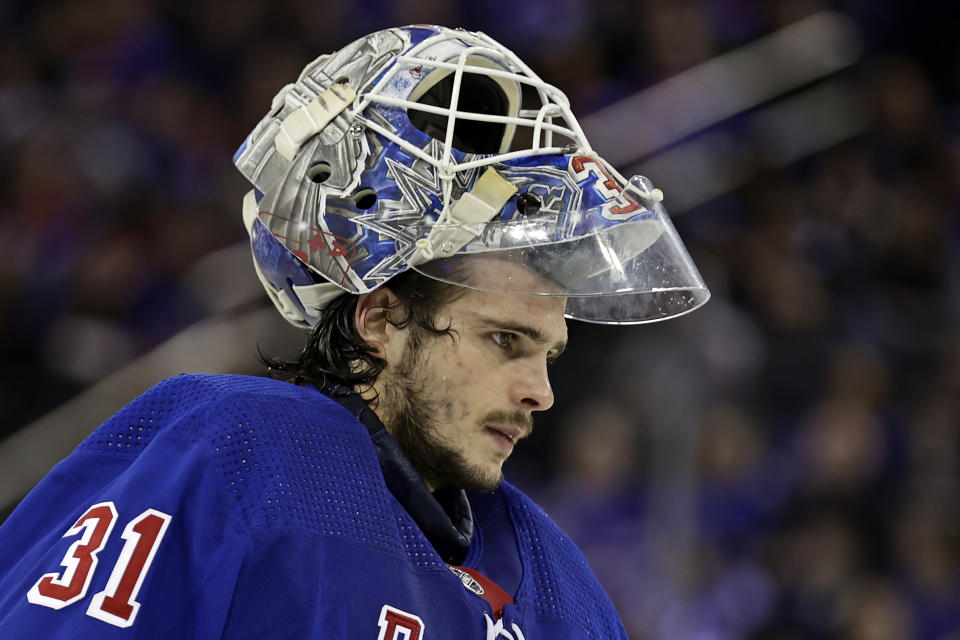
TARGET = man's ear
(371,319)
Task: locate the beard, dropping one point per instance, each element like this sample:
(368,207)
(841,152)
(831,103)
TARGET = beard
(415,414)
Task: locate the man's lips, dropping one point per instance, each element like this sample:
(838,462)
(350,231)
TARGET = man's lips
(511,432)
(505,436)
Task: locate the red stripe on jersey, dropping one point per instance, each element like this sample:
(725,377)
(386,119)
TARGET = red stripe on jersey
(489,590)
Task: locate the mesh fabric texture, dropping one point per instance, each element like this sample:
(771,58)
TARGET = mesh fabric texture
(563,585)
(290,456)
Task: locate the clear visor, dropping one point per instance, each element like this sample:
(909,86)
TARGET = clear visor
(611,272)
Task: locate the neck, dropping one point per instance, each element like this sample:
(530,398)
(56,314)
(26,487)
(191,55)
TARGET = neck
(379,402)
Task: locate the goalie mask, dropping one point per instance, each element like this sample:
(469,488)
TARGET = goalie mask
(439,150)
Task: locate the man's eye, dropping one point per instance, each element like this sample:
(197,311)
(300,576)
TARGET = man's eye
(503,339)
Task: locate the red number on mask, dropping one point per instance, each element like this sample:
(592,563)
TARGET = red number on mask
(582,165)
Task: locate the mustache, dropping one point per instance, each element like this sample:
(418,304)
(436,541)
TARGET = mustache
(515,418)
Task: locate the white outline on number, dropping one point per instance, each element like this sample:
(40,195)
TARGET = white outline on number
(70,563)
(95,610)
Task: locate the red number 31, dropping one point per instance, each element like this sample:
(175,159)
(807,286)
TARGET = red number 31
(116,604)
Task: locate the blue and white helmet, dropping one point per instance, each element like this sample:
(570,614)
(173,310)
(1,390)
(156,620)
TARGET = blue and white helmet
(419,146)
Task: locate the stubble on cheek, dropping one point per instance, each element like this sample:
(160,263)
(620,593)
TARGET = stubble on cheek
(430,419)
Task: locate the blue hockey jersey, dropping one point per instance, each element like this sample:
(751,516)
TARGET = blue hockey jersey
(242,507)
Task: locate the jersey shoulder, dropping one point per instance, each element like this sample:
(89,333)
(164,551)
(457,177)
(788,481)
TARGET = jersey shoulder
(238,471)
(289,456)
(194,407)
(559,582)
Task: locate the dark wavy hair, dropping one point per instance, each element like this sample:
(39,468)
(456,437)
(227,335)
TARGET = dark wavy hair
(336,352)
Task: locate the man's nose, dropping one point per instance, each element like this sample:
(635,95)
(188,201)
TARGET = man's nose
(531,390)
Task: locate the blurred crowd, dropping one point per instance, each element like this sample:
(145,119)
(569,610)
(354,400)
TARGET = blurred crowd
(780,464)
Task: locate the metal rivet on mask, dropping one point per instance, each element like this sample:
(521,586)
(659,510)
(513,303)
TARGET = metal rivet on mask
(365,198)
(356,130)
(319,171)
(528,204)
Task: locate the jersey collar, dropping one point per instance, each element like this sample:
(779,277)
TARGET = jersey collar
(444,516)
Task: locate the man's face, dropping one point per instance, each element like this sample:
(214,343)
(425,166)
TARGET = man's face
(457,406)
